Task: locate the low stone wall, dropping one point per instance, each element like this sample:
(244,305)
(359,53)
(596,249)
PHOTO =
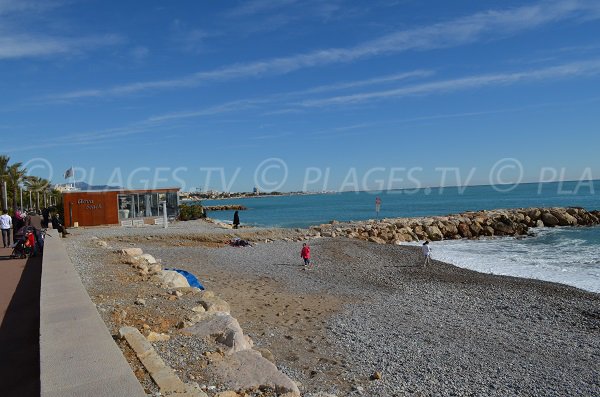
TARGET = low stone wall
(78,356)
(502,222)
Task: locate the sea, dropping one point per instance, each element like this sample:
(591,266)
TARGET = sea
(569,255)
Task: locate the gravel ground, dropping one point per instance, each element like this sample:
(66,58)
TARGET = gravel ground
(435,331)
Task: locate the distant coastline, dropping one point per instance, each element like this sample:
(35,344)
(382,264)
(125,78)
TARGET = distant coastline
(243,195)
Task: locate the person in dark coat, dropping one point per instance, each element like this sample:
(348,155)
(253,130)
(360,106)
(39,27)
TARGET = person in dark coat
(56,224)
(236,220)
(33,219)
(45,217)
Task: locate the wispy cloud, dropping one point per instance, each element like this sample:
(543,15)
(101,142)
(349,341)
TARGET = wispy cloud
(254,7)
(487,25)
(189,39)
(210,111)
(139,52)
(367,82)
(92,137)
(29,46)
(166,121)
(570,70)
(588,68)
(16,42)
(20,6)
(278,98)
(275,136)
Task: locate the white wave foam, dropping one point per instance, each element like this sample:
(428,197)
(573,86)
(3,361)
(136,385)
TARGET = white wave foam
(564,255)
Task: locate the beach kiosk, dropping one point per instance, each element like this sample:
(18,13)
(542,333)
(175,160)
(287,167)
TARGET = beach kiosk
(119,206)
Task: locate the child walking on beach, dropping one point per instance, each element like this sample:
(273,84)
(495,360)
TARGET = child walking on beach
(426,252)
(305,254)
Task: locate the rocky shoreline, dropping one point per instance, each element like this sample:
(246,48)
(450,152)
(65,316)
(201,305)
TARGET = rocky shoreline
(470,225)
(230,207)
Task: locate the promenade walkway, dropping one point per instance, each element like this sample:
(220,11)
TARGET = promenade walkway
(53,342)
(19,325)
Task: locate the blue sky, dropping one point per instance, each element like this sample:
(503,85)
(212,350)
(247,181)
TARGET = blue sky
(292,95)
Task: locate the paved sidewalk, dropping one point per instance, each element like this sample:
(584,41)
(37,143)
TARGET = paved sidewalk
(19,325)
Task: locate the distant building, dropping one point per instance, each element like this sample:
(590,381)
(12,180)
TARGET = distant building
(256,191)
(67,187)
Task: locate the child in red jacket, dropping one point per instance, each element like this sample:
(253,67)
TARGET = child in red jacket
(305,254)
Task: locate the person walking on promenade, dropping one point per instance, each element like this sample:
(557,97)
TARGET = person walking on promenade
(426,252)
(236,220)
(5,225)
(305,254)
(33,219)
(45,217)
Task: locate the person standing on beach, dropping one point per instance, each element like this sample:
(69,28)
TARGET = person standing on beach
(426,252)
(5,225)
(305,254)
(236,220)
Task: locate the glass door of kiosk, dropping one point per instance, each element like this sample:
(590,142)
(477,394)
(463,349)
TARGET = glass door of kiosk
(126,206)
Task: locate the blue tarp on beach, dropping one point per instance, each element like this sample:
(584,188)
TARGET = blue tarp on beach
(192,280)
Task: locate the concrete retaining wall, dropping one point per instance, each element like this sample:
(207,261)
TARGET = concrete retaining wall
(78,356)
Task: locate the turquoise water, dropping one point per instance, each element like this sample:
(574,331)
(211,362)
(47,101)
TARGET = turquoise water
(565,255)
(306,210)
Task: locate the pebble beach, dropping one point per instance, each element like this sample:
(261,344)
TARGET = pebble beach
(369,319)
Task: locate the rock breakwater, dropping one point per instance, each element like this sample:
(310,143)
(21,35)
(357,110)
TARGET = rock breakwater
(470,225)
(232,207)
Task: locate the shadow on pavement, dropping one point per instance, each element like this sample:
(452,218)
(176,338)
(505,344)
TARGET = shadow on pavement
(19,331)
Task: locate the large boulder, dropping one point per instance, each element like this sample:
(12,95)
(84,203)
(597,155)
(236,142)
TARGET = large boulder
(574,211)
(464,230)
(377,240)
(149,259)
(250,370)
(214,304)
(223,328)
(403,237)
(564,218)
(549,219)
(434,233)
(449,229)
(419,232)
(476,228)
(518,217)
(591,218)
(487,231)
(407,231)
(133,252)
(535,214)
(172,279)
(154,269)
(503,228)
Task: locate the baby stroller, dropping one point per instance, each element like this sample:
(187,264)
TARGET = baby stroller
(26,243)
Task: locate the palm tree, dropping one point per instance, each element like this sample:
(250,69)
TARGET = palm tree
(56,195)
(36,184)
(4,160)
(16,175)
